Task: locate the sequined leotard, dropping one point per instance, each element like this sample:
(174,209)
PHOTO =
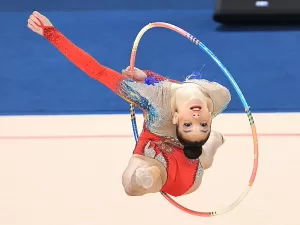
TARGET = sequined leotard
(157,139)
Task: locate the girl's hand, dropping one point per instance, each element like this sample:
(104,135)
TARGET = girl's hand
(37,22)
(136,74)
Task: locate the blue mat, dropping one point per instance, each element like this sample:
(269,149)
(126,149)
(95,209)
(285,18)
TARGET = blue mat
(36,79)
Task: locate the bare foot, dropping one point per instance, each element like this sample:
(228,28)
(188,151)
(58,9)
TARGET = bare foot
(145,177)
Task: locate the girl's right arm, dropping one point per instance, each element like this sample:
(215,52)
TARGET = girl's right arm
(133,92)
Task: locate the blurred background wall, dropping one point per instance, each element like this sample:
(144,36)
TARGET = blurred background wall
(36,79)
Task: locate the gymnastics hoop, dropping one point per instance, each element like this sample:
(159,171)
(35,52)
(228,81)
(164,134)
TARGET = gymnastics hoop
(240,94)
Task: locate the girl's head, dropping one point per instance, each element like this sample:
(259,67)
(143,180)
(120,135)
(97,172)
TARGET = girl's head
(192,118)
(193,126)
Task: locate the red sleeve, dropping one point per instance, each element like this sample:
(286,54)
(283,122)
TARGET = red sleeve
(135,93)
(158,77)
(83,60)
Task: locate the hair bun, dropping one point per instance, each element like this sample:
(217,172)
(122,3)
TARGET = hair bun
(192,152)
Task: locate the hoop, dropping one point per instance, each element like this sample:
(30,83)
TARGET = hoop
(238,91)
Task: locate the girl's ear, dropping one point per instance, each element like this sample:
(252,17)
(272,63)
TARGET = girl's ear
(175,118)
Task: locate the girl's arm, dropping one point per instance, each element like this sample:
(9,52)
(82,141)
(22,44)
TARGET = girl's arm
(83,60)
(140,94)
(125,88)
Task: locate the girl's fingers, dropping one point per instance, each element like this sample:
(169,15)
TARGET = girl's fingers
(35,20)
(29,25)
(34,28)
(37,14)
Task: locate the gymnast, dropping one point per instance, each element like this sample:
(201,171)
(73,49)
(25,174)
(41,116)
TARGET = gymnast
(176,144)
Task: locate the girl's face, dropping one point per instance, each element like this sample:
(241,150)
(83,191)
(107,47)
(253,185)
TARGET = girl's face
(193,120)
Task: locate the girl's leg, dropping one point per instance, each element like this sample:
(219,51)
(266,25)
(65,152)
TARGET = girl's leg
(210,149)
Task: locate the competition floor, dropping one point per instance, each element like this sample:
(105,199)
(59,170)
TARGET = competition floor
(66,170)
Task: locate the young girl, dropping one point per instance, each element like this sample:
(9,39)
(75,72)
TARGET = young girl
(176,143)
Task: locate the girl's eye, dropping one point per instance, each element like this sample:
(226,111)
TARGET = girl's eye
(187,124)
(204,124)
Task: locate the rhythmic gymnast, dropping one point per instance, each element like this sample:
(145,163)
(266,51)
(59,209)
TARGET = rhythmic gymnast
(177,143)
